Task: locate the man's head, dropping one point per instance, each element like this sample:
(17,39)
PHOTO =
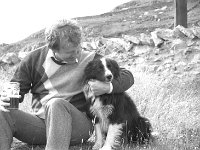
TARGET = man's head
(60,30)
(64,38)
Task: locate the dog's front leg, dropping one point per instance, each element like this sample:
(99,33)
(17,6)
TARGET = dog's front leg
(99,137)
(113,137)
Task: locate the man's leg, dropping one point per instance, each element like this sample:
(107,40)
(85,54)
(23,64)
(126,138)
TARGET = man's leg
(24,126)
(65,123)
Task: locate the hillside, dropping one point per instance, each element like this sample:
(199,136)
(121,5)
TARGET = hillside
(130,18)
(137,19)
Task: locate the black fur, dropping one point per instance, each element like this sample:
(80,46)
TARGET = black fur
(137,129)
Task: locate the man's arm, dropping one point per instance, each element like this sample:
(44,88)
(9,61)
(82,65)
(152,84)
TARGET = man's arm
(119,85)
(22,75)
(123,82)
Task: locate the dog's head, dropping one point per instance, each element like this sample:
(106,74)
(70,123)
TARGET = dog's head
(103,69)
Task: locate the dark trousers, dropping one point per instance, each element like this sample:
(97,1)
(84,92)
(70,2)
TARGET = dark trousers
(63,125)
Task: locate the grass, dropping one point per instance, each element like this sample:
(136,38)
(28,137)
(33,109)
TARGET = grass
(171,103)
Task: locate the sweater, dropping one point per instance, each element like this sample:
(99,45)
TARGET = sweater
(46,78)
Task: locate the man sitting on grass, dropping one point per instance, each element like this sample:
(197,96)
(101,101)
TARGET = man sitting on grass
(54,75)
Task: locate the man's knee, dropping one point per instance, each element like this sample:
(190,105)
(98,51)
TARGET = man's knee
(6,121)
(5,115)
(57,103)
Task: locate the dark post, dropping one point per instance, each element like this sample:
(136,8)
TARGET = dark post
(181,13)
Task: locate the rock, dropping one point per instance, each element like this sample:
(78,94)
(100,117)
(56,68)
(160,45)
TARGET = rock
(89,45)
(158,59)
(108,45)
(22,55)
(126,45)
(146,13)
(188,32)
(178,44)
(179,34)
(196,31)
(146,39)
(157,41)
(132,39)
(165,34)
(191,43)
(10,58)
(163,8)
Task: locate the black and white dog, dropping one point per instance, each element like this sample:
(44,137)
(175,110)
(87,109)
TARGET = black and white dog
(115,115)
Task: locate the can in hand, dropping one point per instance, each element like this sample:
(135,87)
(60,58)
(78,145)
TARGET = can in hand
(12,90)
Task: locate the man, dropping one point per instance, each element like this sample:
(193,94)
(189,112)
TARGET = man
(54,75)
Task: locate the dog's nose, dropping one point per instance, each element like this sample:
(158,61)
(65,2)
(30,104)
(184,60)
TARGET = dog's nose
(109,77)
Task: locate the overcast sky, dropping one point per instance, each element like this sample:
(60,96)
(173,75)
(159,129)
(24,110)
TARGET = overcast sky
(20,18)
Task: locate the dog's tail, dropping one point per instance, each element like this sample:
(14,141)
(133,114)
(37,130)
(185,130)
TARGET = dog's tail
(140,131)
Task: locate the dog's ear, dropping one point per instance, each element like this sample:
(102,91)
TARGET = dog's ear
(90,69)
(114,67)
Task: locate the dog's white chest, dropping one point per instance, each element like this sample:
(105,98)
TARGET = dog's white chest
(102,112)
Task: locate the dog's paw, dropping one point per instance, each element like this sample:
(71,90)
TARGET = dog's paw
(106,147)
(97,146)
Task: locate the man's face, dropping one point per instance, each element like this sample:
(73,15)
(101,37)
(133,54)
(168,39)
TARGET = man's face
(67,50)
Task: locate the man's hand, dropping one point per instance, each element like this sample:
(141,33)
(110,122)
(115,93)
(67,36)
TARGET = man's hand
(99,87)
(4,101)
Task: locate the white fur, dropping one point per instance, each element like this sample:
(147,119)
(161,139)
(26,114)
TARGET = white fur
(95,109)
(107,71)
(99,137)
(102,112)
(113,135)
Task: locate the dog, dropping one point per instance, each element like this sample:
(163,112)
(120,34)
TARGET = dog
(116,118)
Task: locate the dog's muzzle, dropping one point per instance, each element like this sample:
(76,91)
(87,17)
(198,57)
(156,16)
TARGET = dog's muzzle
(109,77)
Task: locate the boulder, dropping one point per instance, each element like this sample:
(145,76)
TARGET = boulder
(89,45)
(10,58)
(22,54)
(196,31)
(165,34)
(178,44)
(187,31)
(133,39)
(157,41)
(146,39)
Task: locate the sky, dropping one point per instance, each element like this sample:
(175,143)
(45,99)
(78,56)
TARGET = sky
(21,18)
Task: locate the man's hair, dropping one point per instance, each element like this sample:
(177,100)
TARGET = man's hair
(65,28)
